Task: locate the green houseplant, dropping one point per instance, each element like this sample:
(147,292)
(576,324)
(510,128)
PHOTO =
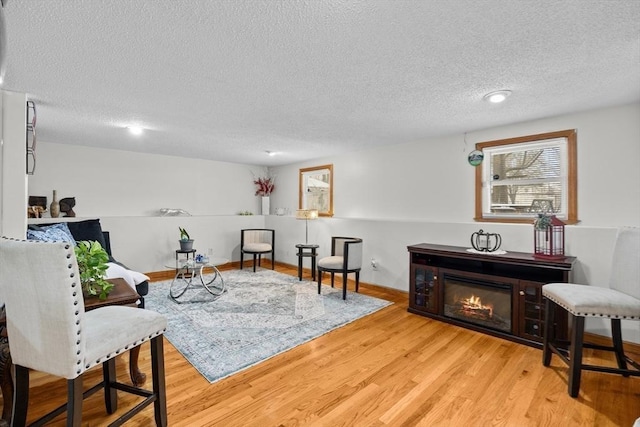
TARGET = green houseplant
(92,263)
(186,242)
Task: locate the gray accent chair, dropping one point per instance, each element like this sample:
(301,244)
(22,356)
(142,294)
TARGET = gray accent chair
(49,331)
(621,300)
(257,242)
(346,257)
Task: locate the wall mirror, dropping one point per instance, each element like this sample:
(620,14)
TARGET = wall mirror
(316,189)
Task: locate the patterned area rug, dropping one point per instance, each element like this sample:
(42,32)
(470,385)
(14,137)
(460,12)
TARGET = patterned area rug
(259,315)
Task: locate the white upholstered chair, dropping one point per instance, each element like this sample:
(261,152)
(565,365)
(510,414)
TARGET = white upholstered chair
(49,331)
(257,242)
(621,300)
(346,257)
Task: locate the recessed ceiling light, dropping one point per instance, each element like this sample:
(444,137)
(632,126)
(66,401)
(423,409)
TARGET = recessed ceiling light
(497,96)
(270,153)
(136,130)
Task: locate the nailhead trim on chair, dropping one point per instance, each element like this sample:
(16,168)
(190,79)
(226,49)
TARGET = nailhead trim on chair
(73,284)
(125,348)
(74,293)
(592,314)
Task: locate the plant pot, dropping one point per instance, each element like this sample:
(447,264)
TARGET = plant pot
(186,245)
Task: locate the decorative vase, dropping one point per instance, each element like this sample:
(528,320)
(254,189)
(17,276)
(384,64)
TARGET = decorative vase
(265,205)
(186,245)
(54,207)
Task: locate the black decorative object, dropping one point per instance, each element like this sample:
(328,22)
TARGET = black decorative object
(66,206)
(485,242)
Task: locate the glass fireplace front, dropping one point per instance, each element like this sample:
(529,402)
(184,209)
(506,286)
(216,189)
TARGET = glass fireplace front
(478,302)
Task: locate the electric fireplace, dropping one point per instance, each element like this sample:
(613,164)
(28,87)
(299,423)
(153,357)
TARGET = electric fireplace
(486,304)
(496,294)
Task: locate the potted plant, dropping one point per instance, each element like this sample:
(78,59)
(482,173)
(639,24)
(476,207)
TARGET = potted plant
(92,263)
(186,242)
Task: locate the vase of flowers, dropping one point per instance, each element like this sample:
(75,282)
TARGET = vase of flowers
(265,186)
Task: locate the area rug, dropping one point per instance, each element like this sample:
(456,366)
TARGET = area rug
(258,316)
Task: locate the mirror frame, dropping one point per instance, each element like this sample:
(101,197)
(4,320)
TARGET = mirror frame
(301,189)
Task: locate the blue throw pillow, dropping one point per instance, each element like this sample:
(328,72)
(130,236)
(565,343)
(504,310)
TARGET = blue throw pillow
(52,233)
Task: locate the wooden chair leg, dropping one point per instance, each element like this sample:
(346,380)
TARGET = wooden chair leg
(357,280)
(74,404)
(254,263)
(575,354)
(159,389)
(616,334)
(241,259)
(6,380)
(319,280)
(332,275)
(21,396)
(110,393)
(138,378)
(548,336)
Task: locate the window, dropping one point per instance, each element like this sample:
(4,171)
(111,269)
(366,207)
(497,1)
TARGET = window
(522,177)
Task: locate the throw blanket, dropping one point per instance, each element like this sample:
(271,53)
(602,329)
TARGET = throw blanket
(133,278)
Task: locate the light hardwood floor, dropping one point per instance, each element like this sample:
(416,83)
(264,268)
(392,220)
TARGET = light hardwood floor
(391,368)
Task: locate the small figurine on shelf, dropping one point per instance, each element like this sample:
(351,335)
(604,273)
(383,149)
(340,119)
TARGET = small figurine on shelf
(66,206)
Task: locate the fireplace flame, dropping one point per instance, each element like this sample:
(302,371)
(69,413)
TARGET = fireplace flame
(473,303)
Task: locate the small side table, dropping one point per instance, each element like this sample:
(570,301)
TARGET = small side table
(190,270)
(307,251)
(190,255)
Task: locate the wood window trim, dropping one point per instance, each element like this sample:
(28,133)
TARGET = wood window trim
(301,204)
(572,164)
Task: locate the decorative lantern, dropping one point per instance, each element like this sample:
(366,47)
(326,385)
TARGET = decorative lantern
(548,237)
(485,242)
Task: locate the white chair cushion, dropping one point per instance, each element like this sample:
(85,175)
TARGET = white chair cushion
(331,262)
(108,331)
(592,301)
(256,247)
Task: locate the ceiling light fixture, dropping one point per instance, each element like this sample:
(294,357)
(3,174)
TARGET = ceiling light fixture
(497,96)
(136,130)
(270,153)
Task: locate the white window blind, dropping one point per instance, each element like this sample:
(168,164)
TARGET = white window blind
(522,180)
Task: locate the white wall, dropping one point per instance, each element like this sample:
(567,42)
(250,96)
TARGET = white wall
(391,197)
(431,180)
(122,183)
(126,190)
(13,177)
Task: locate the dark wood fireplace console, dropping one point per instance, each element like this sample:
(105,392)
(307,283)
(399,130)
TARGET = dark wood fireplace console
(435,268)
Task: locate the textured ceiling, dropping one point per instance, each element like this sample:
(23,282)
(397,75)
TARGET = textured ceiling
(230,79)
